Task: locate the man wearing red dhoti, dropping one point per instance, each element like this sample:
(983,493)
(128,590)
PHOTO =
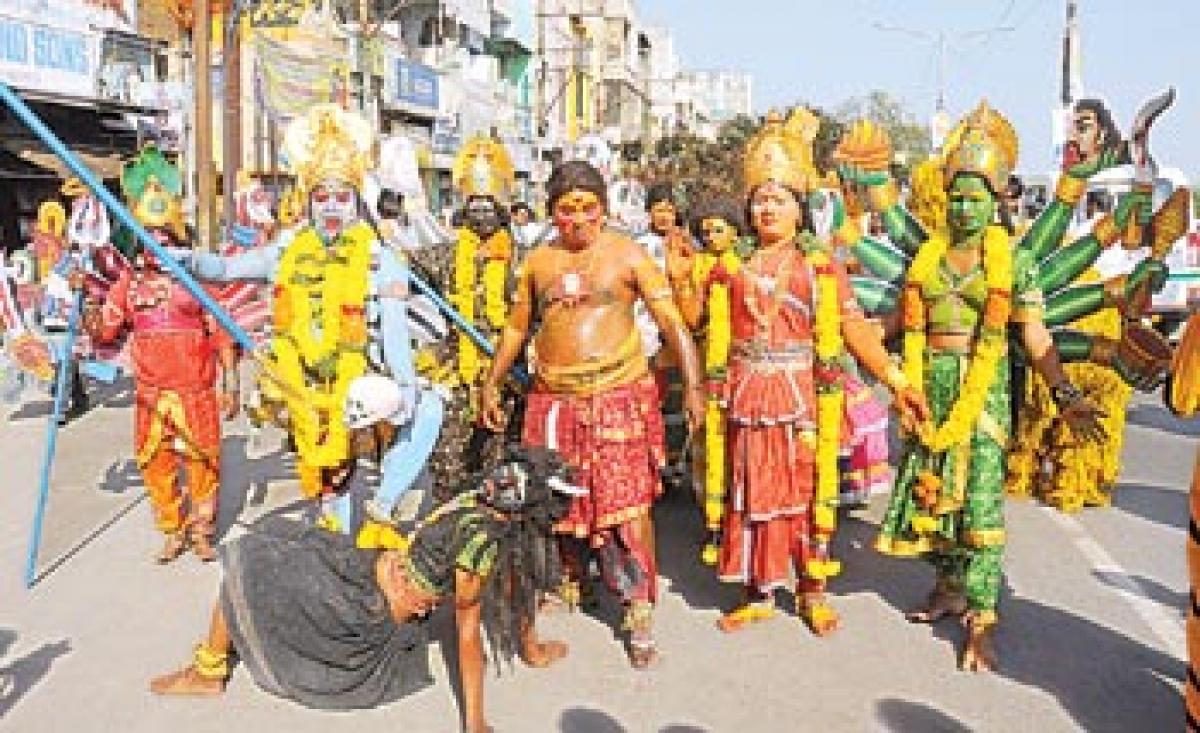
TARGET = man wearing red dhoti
(594,399)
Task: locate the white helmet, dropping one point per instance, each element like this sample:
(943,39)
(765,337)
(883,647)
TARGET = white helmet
(370,399)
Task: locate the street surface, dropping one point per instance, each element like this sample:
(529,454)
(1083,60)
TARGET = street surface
(1091,635)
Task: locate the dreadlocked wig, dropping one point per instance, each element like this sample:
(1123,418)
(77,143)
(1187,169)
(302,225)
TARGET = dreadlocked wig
(527,562)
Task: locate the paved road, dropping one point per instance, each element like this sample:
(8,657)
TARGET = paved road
(1092,633)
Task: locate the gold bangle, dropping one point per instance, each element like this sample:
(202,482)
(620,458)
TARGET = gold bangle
(1070,189)
(884,196)
(1106,231)
(895,380)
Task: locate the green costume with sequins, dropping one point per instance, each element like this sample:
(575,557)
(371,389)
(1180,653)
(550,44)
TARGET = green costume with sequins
(967,545)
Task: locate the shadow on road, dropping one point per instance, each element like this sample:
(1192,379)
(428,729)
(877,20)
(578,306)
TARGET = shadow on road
(905,716)
(679,529)
(1103,679)
(1158,417)
(248,485)
(1174,600)
(587,720)
(19,676)
(1168,507)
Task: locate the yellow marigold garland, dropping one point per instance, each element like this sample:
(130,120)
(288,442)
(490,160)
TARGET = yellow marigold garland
(718,337)
(324,286)
(497,252)
(991,345)
(830,396)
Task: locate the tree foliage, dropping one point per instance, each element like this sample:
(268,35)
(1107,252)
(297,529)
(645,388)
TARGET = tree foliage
(699,166)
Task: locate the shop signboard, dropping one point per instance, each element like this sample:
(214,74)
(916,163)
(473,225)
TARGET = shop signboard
(43,58)
(416,85)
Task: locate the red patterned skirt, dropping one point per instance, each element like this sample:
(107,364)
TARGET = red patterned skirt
(614,441)
(771,449)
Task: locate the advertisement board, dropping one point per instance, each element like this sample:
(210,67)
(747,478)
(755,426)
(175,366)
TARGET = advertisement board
(415,84)
(43,58)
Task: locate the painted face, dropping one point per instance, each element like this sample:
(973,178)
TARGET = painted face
(258,207)
(334,207)
(970,207)
(718,235)
(774,213)
(482,216)
(662,217)
(520,217)
(1086,138)
(579,217)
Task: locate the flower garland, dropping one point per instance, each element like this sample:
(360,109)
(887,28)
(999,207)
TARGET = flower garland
(497,253)
(830,398)
(718,338)
(321,336)
(992,343)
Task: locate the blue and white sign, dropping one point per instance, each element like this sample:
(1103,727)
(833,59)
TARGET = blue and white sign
(416,85)
(45,58)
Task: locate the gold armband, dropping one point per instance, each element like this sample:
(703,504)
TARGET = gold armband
(1114,291)
(895,380)
(1106,231)
(848,233)
(1104,351)
(884,196)
(659,294)
(1070,189)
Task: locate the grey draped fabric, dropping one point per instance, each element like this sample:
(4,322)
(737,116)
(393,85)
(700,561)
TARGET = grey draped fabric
(308,620)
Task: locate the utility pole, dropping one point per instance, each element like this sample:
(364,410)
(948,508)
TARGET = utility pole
(940,121)
(205,178)
(231,130)
(1071,80)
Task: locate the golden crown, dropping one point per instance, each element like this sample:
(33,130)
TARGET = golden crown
(782,152)
(328,143)
(983,143)
(484,168)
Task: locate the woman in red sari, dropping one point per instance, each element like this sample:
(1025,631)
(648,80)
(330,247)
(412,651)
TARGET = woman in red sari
(793,316)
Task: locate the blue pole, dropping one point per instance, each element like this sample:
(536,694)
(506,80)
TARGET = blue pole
(452,313)
(60,389)
(37,127)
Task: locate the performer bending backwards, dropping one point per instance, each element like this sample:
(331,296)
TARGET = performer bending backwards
(594,399)
(331,626)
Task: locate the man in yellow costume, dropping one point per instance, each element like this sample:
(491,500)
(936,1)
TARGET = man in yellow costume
(339,313)
(476,274)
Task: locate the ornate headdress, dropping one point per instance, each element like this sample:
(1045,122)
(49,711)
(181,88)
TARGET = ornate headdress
(782,152)
(484,168)
(328,143)
(153,186)
(983,143)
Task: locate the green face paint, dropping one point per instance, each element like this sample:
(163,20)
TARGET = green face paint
(970,207)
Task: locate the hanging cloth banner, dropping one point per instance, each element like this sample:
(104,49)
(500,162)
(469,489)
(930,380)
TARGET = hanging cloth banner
(297,74)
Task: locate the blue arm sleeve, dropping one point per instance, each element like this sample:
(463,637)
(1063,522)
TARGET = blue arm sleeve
(255,264)
(416,440)
(397,346)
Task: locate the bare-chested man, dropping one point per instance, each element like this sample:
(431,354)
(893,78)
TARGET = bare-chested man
(594,399)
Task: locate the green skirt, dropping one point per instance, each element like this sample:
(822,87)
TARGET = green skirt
(968,508)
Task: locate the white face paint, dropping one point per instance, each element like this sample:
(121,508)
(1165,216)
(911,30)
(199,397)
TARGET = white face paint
(257,203)
(334,207)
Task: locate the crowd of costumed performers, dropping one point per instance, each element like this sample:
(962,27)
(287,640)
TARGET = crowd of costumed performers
(799,342)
